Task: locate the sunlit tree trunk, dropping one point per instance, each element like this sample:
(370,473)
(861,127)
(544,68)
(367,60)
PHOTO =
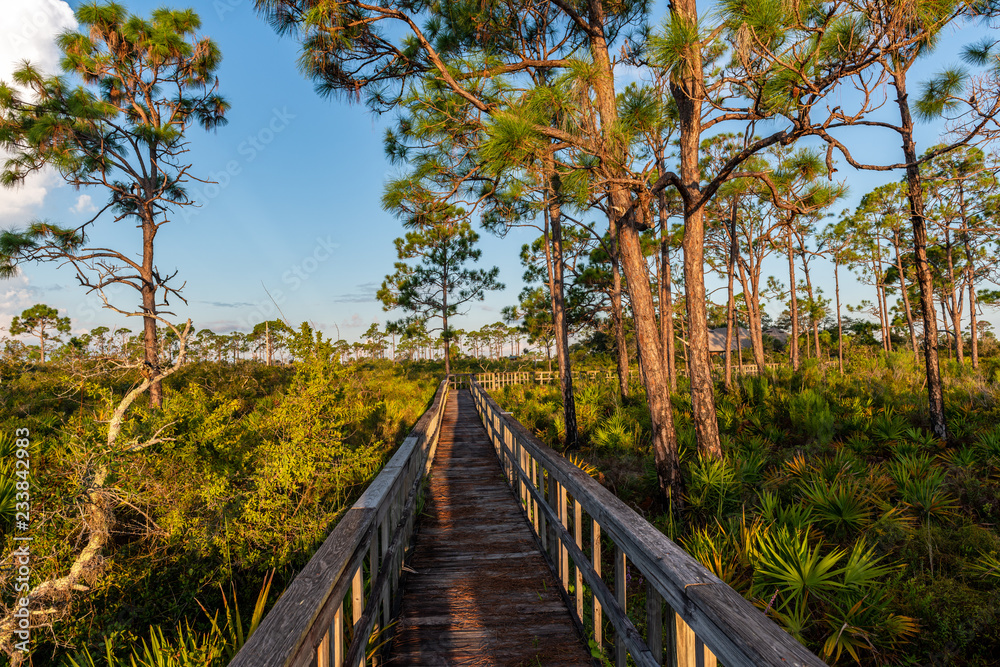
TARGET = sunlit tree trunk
(751,297)
(793,307)
(730,301)
(687,88)
(556,267)
(618,315)
(149,333)
(654,374)
(915,196)
(840,324)
(905,293)
(666,295)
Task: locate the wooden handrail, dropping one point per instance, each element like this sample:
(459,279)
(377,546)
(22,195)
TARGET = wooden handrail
(355,572)
(496,380)
(706,619)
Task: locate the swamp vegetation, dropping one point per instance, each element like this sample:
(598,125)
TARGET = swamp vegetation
(250,468)
(834,508)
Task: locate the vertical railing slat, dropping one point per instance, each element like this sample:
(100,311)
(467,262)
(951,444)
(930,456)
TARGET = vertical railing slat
(338,637)
(595,559)
(621,596)
(578,536)
(654,622)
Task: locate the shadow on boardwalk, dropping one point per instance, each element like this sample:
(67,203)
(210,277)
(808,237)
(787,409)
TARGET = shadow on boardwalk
(481,593)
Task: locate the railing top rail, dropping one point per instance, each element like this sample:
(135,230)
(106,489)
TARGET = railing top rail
(288,627)
(733,629)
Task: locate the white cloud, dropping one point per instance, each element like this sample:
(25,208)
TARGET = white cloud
(84,204)
(28,32)
(16,294)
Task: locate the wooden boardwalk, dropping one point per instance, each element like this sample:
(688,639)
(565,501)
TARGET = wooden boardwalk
(481,593)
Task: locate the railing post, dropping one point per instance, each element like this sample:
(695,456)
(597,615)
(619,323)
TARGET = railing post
(563,552)
(621,597)
(595,560)
(654,622)
(338,637)
(578,537)
(534,503)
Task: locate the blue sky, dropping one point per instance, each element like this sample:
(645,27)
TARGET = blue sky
(295,210)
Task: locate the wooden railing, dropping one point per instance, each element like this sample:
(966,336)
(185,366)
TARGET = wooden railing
(355,573)
(494,381)
(692,618)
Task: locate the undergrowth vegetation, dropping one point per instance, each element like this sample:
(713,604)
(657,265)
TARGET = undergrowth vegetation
(236,480)
(835,509)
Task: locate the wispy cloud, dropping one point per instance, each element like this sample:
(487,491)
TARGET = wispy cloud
(229,304)
(364,293)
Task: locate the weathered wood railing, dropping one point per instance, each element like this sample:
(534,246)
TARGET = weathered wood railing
(493,381)
(583,528)
(355,572)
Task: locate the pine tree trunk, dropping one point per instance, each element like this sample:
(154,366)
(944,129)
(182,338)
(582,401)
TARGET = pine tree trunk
(618,315)
(905,292)
(666,290)
(915,196)
(687,89)
(812,305)
(270,349)
(730,301)
(634,263)
(973,323)
(667,314)
(556,267)
(150,342)
(840,324)
(444,319)
(793,350)
(751,297)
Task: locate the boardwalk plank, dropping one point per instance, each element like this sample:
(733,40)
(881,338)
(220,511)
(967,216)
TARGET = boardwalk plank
(480,594)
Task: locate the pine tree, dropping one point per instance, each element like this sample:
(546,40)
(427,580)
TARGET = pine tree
(439,282)
(145,82)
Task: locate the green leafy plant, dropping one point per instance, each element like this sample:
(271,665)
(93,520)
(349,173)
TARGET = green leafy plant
(843,507)
(810,414)
(888,427)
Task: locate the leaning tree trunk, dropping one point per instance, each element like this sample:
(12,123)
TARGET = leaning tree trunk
(556,266)
(623,224)
(914,193)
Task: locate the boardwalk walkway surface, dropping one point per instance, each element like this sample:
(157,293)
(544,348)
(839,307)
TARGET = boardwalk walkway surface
(481,593)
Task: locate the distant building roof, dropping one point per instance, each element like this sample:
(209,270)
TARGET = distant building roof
(777,334)
(717,339)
